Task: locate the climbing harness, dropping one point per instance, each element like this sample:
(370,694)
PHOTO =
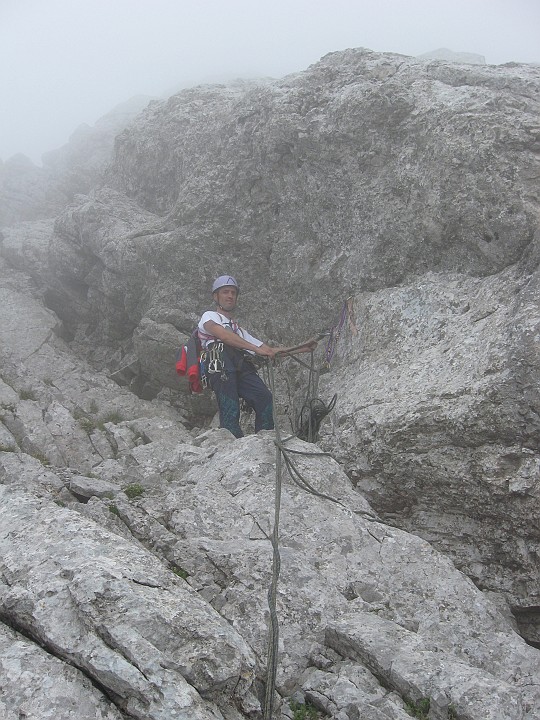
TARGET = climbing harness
(211,361)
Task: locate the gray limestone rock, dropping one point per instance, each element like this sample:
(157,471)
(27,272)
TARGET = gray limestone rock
(36,685)
(372,640)
(26,246)
(437,420)
(408,186)
(121,618)
(23,471)
(7,441)
(86,487)
(347,688)
(335,560)
(40,323)
(8,396)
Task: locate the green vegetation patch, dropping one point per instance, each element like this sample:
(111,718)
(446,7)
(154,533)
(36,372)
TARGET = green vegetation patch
(113,417)
(418,709)
(177,570)
(134,490)
(303,712)
(27,395)
(89,423)
(38,455)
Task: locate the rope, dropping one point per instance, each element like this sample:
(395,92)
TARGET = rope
(308,421)
(282,456)
(273,639)
(313,383)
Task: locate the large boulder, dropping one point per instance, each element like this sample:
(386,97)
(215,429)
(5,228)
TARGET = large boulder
(437,421)
(357,174)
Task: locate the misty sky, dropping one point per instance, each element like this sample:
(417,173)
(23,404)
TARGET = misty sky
(67,62)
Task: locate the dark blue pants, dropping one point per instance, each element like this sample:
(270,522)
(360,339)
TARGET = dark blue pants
(241,381)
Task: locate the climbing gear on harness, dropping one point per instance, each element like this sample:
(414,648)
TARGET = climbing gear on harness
(202,369)
(215,362)
(197,364)
(223,281)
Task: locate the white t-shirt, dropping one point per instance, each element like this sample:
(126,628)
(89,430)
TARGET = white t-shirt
(206,338)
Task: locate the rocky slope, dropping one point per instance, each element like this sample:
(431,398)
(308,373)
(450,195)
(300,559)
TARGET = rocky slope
(408,186)
(135,563)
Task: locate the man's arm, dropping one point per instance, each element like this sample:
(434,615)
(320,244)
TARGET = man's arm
(233,340)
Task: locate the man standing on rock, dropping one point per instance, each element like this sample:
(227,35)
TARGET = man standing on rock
(230,372)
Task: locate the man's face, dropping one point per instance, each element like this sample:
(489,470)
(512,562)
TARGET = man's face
(226,297)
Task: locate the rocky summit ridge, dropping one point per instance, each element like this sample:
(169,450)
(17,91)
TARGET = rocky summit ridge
(399,194)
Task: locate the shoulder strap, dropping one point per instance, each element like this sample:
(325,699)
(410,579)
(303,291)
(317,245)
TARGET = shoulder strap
(235,327)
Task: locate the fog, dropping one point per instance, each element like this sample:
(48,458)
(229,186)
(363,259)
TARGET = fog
(67,62)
